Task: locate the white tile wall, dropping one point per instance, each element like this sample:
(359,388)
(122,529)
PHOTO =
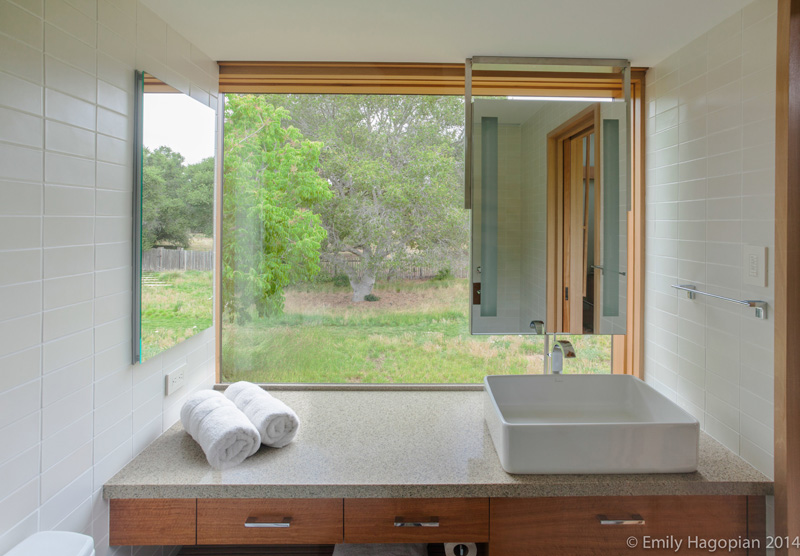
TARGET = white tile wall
(73,410)
(710,191)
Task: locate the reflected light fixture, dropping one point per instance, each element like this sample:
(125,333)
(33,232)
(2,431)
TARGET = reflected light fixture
(576,99)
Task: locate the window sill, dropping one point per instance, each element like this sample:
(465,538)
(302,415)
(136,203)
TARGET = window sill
(292,386)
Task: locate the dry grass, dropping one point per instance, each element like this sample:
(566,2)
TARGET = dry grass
(396,297)
(178,309)
(200,242)
(416,333)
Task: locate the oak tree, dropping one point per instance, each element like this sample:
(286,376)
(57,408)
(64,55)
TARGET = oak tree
(395,166)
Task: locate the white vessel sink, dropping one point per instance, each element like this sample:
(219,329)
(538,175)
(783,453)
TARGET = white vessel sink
(587,424)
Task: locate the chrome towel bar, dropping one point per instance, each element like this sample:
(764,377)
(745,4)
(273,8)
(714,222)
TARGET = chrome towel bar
(759,306)
(601,269)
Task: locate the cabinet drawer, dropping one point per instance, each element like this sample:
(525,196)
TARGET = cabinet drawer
(144,521)
(393,520)
(606,525)
(269,521)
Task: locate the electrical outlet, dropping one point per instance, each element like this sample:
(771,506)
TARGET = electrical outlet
(175,379)
(754,265)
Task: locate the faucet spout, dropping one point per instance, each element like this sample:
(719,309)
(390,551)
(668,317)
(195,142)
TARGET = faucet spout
(537,326)
(566,348)
(561,349)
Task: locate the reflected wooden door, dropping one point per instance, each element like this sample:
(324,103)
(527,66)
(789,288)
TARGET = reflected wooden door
(572,241)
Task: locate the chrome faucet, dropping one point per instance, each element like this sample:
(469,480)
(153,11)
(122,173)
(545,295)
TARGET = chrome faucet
(554,359)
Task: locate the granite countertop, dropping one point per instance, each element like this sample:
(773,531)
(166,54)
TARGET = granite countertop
(398,444)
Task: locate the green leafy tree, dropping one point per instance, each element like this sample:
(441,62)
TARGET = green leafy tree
(271,238)
(164,219)
(395,166)
(177,199)
(198,195)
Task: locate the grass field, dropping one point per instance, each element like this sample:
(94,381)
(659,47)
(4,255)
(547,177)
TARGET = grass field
(175,306)
(417,332)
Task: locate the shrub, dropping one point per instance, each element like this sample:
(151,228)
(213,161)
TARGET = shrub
(341,281)
(371,297)
(443,274)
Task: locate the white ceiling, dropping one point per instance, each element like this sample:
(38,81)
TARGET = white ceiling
(645,31)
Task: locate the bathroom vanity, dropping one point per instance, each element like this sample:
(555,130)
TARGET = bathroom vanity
(419,466)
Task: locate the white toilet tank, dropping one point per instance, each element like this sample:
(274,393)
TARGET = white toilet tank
(54,543)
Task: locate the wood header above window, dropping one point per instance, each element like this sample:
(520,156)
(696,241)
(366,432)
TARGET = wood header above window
(155,85)
(407,78)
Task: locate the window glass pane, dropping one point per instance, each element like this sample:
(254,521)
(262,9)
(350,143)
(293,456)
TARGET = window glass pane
(346,245)
(177,218)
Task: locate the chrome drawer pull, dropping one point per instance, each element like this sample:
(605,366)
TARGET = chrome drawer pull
(432,521)
(635,519)
(254,522)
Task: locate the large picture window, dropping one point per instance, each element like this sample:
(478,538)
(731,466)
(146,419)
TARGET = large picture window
(344,239)
(346,245)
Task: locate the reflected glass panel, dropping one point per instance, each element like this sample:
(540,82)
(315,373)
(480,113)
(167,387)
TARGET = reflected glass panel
(611,220)
(176,173)
(549,216)
(489,177)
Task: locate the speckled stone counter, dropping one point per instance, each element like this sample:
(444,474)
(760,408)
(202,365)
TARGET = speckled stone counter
(397,444)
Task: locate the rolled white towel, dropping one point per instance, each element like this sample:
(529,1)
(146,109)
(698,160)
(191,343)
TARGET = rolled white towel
(224,433)
(276,422)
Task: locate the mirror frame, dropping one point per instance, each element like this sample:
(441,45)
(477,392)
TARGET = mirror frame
(620,67)
(136,240)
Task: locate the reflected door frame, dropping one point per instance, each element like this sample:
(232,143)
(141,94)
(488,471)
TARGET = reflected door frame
(565,214)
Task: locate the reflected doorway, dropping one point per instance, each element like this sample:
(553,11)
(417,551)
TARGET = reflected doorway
(573,243)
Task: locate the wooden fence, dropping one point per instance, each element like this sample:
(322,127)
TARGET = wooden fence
(162,260)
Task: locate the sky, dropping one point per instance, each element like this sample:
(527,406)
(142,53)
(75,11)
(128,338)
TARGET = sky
(180,123)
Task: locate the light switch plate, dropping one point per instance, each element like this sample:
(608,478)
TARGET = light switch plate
(175,379)
(754,265)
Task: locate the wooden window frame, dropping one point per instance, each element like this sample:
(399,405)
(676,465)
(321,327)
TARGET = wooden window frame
(448,79)
(786,310)
(408,79)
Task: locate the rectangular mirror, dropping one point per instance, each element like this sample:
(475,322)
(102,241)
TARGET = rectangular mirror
(173,217)
(549,216)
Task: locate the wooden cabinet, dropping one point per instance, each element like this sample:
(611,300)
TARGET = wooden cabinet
(144,521)
(269,521)
(416,520)
(518,526)
(630,525)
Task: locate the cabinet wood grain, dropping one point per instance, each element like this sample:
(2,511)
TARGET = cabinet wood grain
(311,521)
(757,524)
(519,526)
(260,550)
(569,526)
(458,519)
(144,521)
